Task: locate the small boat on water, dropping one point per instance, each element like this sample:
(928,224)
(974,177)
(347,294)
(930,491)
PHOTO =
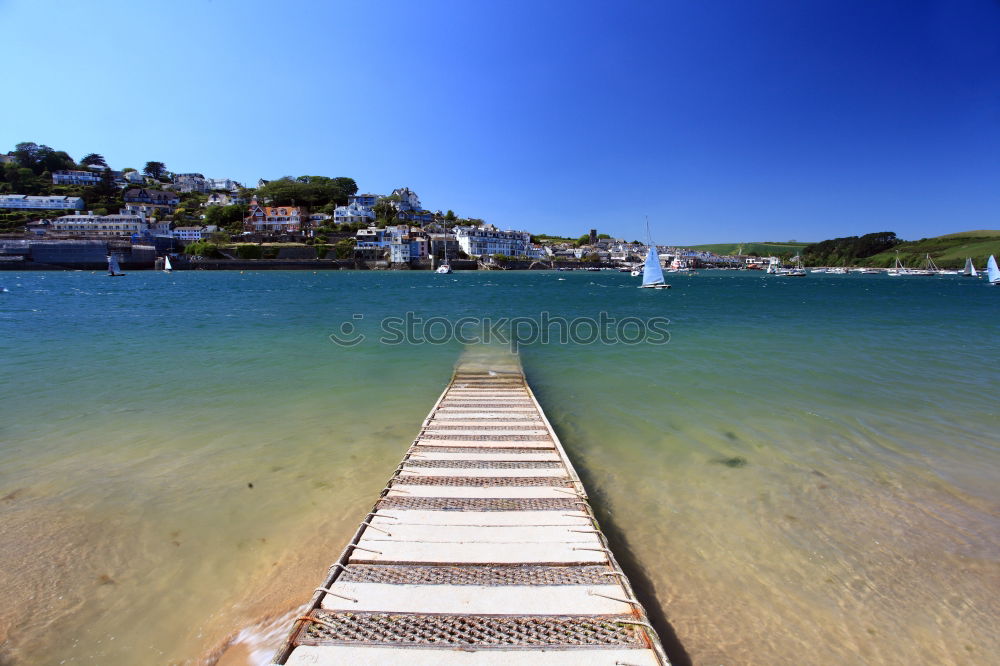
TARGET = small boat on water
(899,270)
(167,268)
(445,267)
(929,265)
(992,272)
(970,269)
(819,270)
(114,270)
(836,271)
(652,272)
(798,271)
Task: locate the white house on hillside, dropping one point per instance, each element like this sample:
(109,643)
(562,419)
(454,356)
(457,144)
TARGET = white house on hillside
(23,201)
(487,240)
(122,224)
(407,200)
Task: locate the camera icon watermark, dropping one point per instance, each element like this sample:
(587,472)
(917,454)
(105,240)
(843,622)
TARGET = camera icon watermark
(512,332)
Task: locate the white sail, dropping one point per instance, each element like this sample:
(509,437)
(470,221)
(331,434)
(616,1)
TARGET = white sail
(651,271)
(113,267)
(166,263)
(992,272)
(970,269)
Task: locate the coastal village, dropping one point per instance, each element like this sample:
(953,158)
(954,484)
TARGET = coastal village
(204,222)
(57,214)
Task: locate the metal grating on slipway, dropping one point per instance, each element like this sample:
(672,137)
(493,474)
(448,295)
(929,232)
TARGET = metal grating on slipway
(482,550)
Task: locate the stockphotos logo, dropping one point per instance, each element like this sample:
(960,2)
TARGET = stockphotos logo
(513,332)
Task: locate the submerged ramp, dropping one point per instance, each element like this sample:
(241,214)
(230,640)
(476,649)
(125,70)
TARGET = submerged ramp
(481,550)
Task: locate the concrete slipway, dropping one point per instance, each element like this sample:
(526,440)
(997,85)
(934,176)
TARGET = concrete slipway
(482,550)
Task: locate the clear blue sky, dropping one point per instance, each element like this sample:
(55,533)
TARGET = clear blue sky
(723,120)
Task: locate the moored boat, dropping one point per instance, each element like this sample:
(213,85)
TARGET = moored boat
(798,271)
(992,272)
(114,270)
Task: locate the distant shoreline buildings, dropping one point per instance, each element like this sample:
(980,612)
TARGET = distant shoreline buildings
(163,209)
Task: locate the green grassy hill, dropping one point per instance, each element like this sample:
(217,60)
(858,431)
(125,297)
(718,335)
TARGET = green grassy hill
(948,251)
(764,249)
(982,233)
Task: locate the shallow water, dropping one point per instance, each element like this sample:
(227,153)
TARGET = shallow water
(806,473)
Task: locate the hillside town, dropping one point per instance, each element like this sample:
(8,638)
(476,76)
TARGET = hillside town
(85,211)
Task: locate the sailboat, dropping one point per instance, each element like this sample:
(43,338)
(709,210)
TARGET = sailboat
(167,268)
(445,267)
(992,272)
(652,273)
(898,269)
(930,268)
(970,269)
(113,269)
(902,270)
(798,271)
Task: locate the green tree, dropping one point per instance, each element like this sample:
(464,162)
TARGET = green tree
(107,189)
(847,251)
(385,212)
(229,218)
(26,154)
(19,179)
(54,160)
(203,249)
(155,170)
(316,192)
(450,215)
(344,249)
(94,159)
(39,158)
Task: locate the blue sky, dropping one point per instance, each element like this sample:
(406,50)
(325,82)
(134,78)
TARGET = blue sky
(723,120)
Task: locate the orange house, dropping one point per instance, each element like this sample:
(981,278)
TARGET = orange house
(272,219)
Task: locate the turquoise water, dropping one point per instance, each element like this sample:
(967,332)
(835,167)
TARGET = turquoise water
(857,518)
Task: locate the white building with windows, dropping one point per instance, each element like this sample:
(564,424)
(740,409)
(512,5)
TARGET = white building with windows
(189,233)
(487,240)
(76,177)
(353,214)
(227,184)
(363,200)
(191,182)
(401,242)
(218,199)
(23,201)
(406,199)
(122,224)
